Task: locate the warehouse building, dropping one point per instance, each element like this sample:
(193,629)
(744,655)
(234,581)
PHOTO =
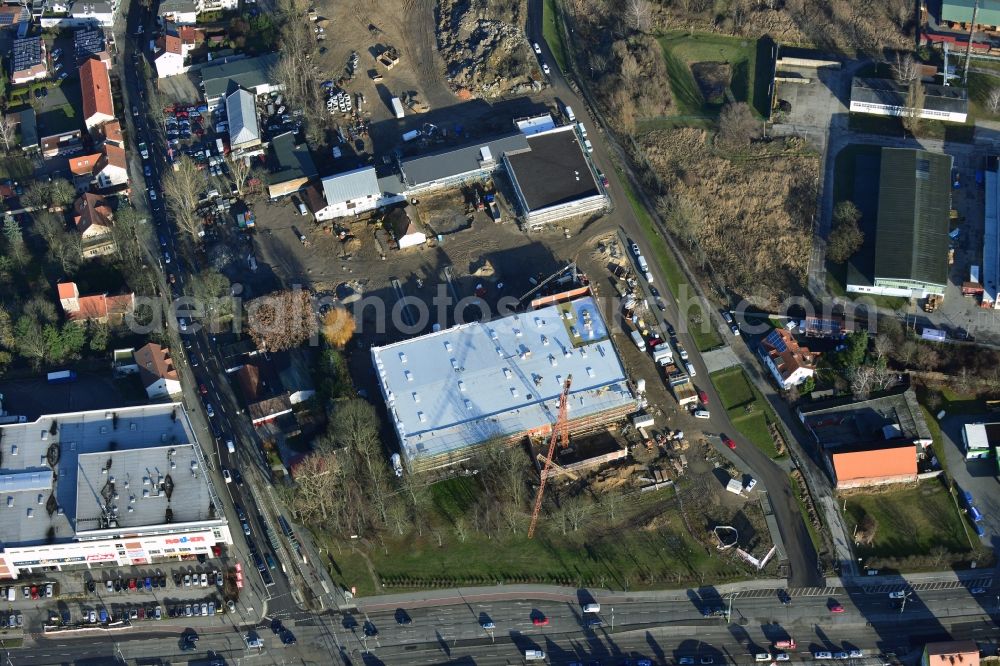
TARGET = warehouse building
(454,166)
(254,74)
(991,235)
(554,180)
(908,256)
(887,97)
(121,486)
(241,112)
(451,391)
(869,442)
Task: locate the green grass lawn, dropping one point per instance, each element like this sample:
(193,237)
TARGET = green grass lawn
(911,521)
(746,408)
(682,49)
(552,31)
(959,403)
(660,554)
(980,86)
(705,337)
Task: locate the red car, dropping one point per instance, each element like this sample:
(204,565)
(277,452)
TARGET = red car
(836,608)
(34,592)
(203,389)
(703,397)
(728,441)
(540,621)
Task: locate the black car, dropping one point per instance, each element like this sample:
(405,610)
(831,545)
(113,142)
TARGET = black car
(370,629)
(670,330)
(178,580)
(402,617)
(594,622)
(276,626)
(237,477)
(287,637)
(654,292)
(91,586)
(118,585)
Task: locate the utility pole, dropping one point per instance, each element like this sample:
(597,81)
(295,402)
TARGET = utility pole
(729,612)
(968,49)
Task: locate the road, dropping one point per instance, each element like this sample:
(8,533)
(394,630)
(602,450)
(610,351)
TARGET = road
(662,626)
(802,557)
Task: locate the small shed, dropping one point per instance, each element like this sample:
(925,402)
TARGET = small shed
(404,224)
(735,487)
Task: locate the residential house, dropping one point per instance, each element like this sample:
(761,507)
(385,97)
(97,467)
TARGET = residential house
(157,371)
(95,87)
(789,363)
(951,653)
(94,220)
(62,143)
(14,16)
(111,133)
(28,60)
(404,223)
(99,12)
(290,167)
(172,49)
(105,169)
(89,42)
(241,112)
(94,307)
(82,167)
(27,128)
(180,12)
(262,392)
(834,327)
(349,193)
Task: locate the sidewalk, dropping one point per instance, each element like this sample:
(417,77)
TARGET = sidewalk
(464,595)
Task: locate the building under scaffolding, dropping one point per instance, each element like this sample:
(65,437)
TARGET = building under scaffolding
(452,391)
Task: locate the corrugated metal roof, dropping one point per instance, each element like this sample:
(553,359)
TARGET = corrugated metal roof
(242,114)
(950,99)
(245,72)
(356,184)
(455,162)
(911,239)
(960,11)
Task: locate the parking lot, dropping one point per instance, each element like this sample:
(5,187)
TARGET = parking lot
(978,477)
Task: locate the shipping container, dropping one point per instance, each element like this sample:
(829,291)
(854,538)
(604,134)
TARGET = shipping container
(61,377)
(397,108)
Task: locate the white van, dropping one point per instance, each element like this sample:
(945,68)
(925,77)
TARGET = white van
(302,209)
(230,447)
(583,130)
(592,608)
(589,146)
(534,655)
(568,111)
(701,414)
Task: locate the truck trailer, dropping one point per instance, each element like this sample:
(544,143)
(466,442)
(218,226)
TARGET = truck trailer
(397,108)
(61,377)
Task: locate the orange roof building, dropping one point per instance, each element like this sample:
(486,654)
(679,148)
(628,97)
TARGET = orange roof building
(157,371)
(98,307)
(875,464)
(84,165)
(789,364)
(951,653)
(111,132)
(95,86)
(92,215)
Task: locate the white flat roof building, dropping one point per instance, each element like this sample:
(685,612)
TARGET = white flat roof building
(118,485)
(991,236)
(457,388)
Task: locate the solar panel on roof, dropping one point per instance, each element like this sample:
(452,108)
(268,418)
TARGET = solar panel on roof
(776,341)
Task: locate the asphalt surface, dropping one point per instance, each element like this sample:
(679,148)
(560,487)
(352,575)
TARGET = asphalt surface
(803,564)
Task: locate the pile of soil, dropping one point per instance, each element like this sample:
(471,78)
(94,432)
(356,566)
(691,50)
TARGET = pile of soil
(486,51)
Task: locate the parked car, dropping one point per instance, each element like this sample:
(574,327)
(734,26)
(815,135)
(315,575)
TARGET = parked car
(537,48)
(226,476)
(728,441)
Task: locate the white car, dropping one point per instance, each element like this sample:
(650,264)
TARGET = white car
(822,655)
(538,49)
(635,249)
(230,446)
(897,595)
(690,369)
(762,656)
(751,485)
(182,322)
(152,195)
(856,654)
(227,476)
(204,579)
(781,656)
(701,414)
(545,68)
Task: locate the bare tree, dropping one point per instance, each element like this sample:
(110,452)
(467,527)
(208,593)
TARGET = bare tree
(239,168)
(915,96)
(862,380)
(737,125)
(281,321)
(182,188)
(905,69)
(993,100)
(8,131)
(638,15)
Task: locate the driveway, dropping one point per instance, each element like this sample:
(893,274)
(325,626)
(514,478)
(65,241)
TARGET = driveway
(979,477)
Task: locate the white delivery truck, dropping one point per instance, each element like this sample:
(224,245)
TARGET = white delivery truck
(568,112)
(639,342)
